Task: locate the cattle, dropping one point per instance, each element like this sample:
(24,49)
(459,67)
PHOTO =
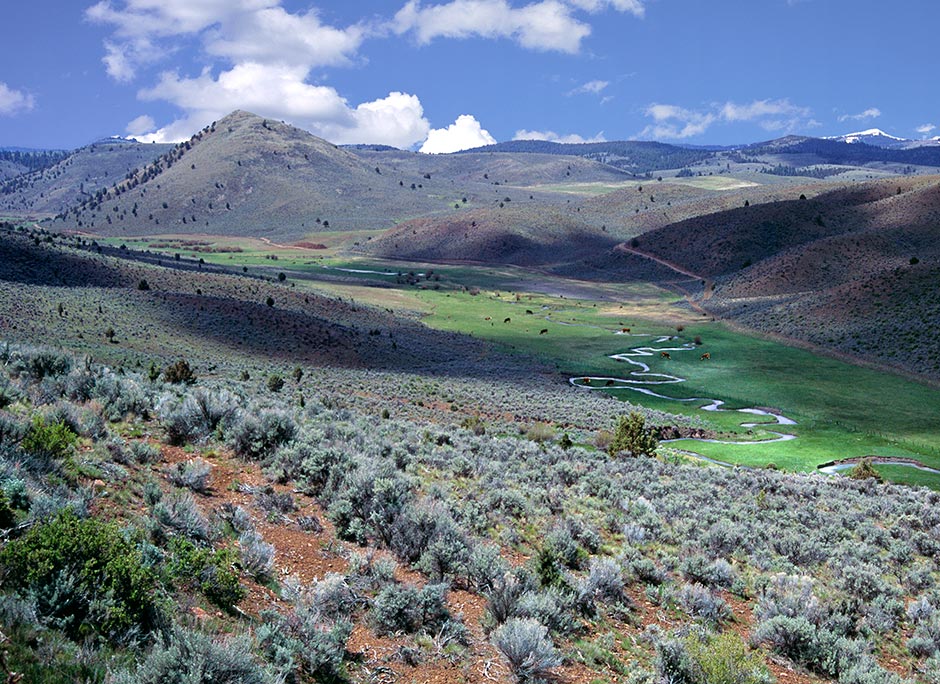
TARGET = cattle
(625,331)
(664,355)
(609,383)
(487,318)
(528,312)
(706,356)
(543,331)
(507,320)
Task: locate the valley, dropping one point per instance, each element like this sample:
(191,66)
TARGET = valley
(612,412)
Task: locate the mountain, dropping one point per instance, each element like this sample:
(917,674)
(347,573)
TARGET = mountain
(51,189)
(250,176)
(803,151)
(872,136)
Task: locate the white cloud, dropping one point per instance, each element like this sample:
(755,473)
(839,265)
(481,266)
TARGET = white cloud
(140,126)
(145,18)
(634,7)
(280,92)
(674,122)
(543,25)
(15,101)
(239,30)
(589,88)
(870,113)
(552,136)
(275,36)
(271,54)
(926,129)
(464,134)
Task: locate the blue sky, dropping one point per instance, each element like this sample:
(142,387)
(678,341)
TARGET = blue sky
(438,75)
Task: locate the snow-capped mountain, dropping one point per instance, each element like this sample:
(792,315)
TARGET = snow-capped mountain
(873,136)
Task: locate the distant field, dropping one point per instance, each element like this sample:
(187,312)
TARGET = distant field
(715,182)
(586,189)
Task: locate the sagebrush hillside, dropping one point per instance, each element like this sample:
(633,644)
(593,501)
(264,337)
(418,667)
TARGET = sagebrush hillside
(73,178)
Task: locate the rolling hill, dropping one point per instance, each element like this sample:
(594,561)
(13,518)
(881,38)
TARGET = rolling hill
(50,189)
(853,270)
(248,176)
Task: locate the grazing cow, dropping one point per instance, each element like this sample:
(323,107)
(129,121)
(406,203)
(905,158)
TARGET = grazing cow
(487,318)
(528,312)
(625,330)
(706,356)
(609,383)
(543,331)
(586,381)
(507,320)
(664,355)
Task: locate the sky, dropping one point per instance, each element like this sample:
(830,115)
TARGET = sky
(442,75)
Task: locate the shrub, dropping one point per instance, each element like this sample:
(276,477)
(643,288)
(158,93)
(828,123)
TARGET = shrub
(210,571)
(201,415)
(540,432)
(699,602)
(179,373)
(257,556)
(405,608)
(84,576)
(301,637)
(526,647)
(144,452)
(48,441)
(42,363)
(709,659)
(864,470)
(633,437)
(256,437)
(195,658)
(270,500)
(726,659)
(193,475)
(275,382)
(180,513)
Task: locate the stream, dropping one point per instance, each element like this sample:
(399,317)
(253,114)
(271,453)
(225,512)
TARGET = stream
(641,378)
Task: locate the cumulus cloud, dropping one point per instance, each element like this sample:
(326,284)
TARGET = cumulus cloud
(589,88)
(270,53)
(258,30)
(674,122)
(464,134)
(15,101)
(926,129)
(280,92)
(543,25)
(552,136)
(870,113)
